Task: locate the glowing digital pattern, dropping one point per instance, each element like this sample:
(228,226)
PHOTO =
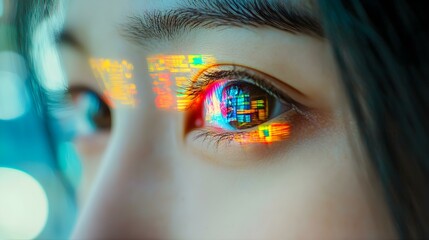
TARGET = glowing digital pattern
(266,133)
(234,106)
(115,78)
(167,70)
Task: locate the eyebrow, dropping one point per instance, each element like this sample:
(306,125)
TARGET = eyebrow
(284,15)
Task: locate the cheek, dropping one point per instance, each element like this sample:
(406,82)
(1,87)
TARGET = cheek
(90,150)
(314,193)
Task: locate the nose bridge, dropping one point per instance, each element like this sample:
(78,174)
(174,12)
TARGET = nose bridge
(134,187)
(157,131)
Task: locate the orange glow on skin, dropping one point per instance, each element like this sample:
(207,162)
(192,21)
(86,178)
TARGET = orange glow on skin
(115,78)
(164,69)
(266,134)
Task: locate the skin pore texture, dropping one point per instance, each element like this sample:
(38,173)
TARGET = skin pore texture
(150,179)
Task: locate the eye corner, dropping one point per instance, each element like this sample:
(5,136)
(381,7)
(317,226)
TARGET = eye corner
(91,110)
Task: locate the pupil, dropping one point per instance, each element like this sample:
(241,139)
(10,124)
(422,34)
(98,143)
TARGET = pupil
(245,105)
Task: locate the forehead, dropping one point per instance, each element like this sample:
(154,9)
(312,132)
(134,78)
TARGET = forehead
(109,9)
(94,19)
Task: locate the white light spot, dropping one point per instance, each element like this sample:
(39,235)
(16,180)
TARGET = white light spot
(23,205)
(51,70)
(13,101)
(1,8)
(48,66)
(13,62)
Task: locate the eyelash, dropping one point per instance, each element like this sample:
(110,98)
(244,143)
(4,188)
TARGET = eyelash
(197,86)
(194,89)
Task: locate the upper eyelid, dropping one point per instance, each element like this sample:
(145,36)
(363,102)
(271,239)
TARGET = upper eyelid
(199,82)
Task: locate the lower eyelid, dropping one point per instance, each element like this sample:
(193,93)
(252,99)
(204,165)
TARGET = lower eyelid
(221,151)
(280,130)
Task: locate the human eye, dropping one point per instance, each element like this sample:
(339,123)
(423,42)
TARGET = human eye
(237,104)
(91,112)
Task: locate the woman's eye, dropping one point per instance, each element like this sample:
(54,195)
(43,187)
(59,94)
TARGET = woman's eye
(91,113)
(235,104)
(238,105)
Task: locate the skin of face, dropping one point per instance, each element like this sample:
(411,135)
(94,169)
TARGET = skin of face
(150,179)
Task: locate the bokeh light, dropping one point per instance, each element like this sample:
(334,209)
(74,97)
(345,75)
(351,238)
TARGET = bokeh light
(54,78)
(1,8)
(23,205)
(13,101)
(48,68)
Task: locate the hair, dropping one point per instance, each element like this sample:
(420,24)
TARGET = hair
(29,15)
(382,50)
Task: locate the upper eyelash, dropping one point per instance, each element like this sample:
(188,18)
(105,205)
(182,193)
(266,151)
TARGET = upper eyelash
(194,88)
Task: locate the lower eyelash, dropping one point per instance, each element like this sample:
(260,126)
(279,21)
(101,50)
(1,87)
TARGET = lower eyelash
(214,137)
(243,137)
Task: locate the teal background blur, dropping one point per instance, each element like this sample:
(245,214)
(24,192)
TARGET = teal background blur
(30,141)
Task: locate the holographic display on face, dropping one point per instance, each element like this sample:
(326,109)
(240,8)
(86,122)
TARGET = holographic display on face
(241,106)
(115,78)
(230,104)
(166,70)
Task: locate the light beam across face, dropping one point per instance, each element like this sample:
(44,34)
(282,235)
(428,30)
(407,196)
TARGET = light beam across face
(166,70)
(115,78)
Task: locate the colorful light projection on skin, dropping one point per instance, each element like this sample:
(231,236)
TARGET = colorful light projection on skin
(167,70)
(266,133)
(238,106)
(115,77)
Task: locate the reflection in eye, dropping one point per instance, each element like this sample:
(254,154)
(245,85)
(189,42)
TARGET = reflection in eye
(239,106)
(91,112)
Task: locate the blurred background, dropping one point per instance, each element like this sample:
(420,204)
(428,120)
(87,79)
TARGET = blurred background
(39,169)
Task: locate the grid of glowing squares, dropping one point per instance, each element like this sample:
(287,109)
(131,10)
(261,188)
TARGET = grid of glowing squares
(266,133)
(246,111)
(165,69)
(251,112)
(115,77)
